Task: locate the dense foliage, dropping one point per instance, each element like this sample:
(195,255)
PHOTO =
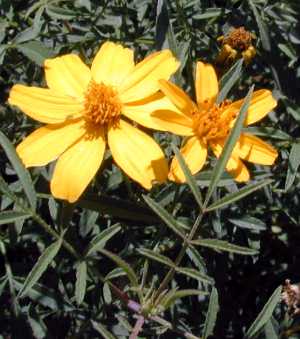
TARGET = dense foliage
(83,270)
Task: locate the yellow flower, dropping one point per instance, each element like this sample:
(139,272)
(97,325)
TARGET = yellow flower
(83,109)
(207,124)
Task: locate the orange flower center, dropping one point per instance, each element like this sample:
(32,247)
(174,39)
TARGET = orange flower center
(102,105)
(210,123)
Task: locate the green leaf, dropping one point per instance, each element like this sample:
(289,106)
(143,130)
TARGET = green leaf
(7,217)
(170,298)
(294,162)
(35,51)
(102,330)
(229,79)
(210,13)
(271,332)
(81,278)
(100,240)
(195,274)
(229,145)
(211,316)
(119,208)
(263,32)
(249,222)
(235,196)
(265,314)
(224,246)
(165,216)
(188,176)
(43,295)
(268,132)
(60,13)
(123,264)
(40,267)
(156,257)
(162,23)
(20,169)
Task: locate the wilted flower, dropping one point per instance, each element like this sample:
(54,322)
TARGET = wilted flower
(83,110)
(291,297)
(236,44)
(207,124)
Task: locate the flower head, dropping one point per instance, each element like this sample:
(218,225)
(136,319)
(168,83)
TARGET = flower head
(236,44)
(84,108)
(207,124)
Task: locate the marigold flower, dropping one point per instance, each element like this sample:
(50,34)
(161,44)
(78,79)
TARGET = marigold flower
(236,44)
(83,110)
(207,124)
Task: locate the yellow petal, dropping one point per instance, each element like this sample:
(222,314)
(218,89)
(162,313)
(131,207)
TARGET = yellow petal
(253,149)
(194,153)
(237,169)
(206,84)
(67,75)
(47,143)
(234,165)
(77,166)
(261,104)
(158,112)
(178,97)
(44,104)
(137,154)
(143,80)
(112,64)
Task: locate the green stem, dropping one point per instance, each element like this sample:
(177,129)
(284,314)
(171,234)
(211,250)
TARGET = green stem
(171,272)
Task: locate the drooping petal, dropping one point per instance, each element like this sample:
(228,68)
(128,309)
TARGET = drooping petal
(158,112)
(234,165)
(67,75)
(46,143)
(44,105)
(194,153)
(253,149)
(178,97)
(206,84)
(77,166)
(143,80)
(237,169)
(112,64)
(261,104)
(137,154)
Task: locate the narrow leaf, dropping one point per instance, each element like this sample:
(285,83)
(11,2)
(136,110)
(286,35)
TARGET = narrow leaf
(156,257)
(40,267)
(100,240)
(235,196)
(170,298)
(102,330)
(20,169)
(265,314)
(165,216)
(229,145)
(249,222)
(7,217)
(162,23)
(123,264)
(191,181)
(229,79)
(263,32)
(195,274)
(224,246)
(294,162)
(80,286)
(211,316)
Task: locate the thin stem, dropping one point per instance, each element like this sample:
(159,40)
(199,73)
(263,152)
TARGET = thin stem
(179,257)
